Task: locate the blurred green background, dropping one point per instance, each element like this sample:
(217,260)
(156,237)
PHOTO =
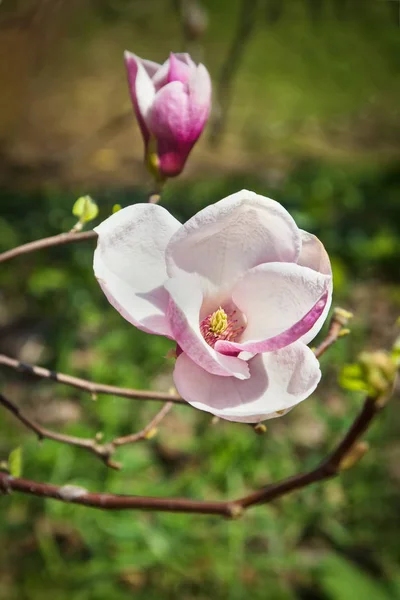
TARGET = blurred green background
(306,111)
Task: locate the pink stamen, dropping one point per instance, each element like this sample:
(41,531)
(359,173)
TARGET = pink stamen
(230,333)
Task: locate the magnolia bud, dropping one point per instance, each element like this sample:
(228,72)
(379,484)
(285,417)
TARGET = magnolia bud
(172,103)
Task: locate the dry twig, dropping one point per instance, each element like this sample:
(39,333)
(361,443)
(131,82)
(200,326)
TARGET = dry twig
(88,386)
(102,451)
(337,329)
(55,240)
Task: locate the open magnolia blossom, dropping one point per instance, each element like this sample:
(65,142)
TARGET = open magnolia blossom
(239,287)
(172,103)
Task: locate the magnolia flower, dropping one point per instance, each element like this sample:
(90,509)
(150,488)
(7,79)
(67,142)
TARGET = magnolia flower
(239,288)
(172,102)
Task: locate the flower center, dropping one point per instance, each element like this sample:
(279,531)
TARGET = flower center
(220,326)
(218,321)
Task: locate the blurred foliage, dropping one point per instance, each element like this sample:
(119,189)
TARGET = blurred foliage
(332,541)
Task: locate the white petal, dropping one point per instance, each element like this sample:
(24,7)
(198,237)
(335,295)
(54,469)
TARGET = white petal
(278,381)
(200,90)
(314,255)
(281,302)
(129,263)
(226,239)
(141,85)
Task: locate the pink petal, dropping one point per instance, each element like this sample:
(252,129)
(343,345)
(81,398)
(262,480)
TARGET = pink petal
(170,113)
(226,239)
(141,90)
(278,381)
(129,263)
(314,255)
(185,58)
(186,298)
(176,120)
(178,70)
(180,111)
(281,301)
(178,67)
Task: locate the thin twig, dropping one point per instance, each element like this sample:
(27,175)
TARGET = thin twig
(102,451)
(89,386)
(55,240)
(337,329)
(147,432)
(155,194)
(327,469)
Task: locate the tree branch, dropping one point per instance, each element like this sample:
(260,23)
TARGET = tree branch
(147,432)
(55,240)
(77,495)
(326,469)
(102,451)
(330,467)
(89,386)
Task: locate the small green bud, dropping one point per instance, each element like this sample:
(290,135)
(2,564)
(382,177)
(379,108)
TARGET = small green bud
(354,455)
(342,316)
(344,332)
(379,370)
(236,511)
(151,433)
(86,209)
(15,462)
(374,373)
(352,378)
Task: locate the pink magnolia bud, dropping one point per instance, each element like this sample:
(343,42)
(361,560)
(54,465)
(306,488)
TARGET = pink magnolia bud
(172,103)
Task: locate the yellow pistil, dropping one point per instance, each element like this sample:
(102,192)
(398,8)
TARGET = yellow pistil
(218,321)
